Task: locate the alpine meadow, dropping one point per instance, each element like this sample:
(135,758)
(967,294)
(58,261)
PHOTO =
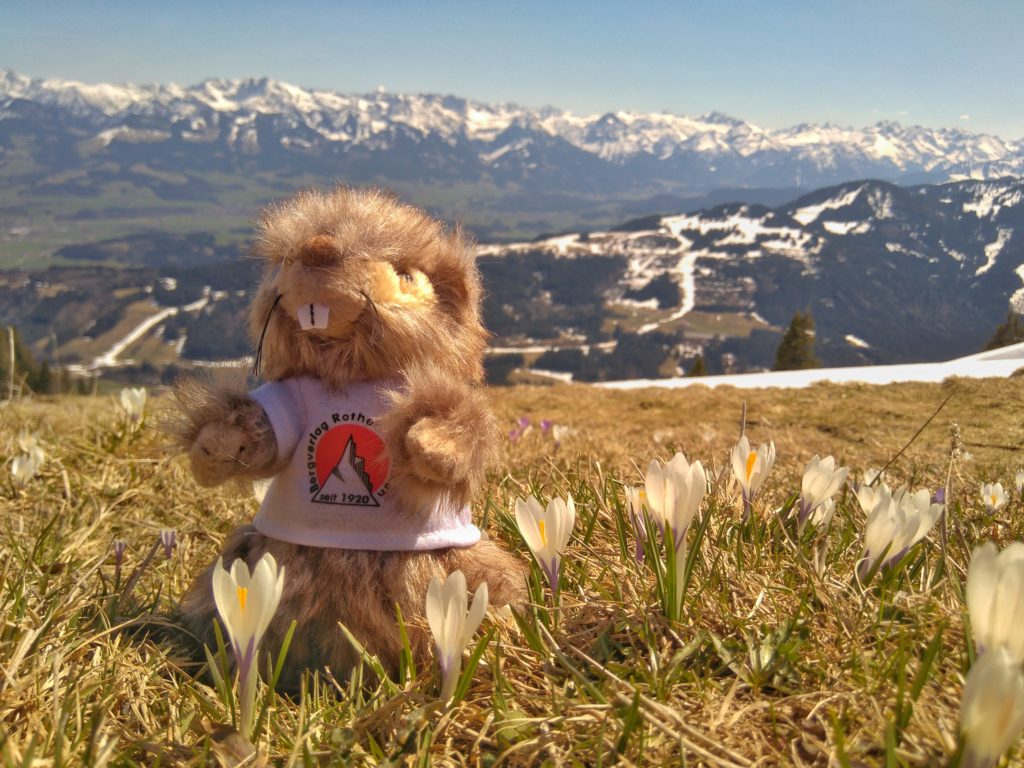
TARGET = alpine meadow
(782,653)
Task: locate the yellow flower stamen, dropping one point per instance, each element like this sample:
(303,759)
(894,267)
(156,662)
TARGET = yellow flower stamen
(993,499)
(243,595)
(751,460)
(543,535)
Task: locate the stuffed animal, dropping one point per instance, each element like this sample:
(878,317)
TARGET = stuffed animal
(373,424)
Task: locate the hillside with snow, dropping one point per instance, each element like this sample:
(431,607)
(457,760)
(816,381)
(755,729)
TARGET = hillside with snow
(889,273)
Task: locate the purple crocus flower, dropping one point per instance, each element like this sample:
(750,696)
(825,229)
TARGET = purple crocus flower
(169,538)
(120,545)
(635,501)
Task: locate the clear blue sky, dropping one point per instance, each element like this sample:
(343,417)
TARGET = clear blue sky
(931,62)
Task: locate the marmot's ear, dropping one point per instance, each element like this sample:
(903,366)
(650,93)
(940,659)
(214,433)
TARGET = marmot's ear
(457,279)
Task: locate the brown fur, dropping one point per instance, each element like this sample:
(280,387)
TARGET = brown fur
(439,434)
(404,295)
(224,431)
(368,230)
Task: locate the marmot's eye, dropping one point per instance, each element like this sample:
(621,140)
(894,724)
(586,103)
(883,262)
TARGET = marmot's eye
(405,276)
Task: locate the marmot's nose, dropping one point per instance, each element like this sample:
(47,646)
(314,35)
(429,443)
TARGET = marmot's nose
(318,251)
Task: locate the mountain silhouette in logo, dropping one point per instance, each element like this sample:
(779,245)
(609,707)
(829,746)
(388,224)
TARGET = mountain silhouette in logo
(348,483)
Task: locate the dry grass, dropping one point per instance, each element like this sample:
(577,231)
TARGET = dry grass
(772,665)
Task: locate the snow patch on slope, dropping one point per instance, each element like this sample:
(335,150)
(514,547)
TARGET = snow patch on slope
(846,227)
(992,250)
(132,135)
(881,203)
(811,213)
(992,200)
(1017,300)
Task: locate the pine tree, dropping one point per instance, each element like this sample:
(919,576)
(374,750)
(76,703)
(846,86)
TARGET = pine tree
(66,384)
(796,350)
(698,368)
(1010,332)
(42,381)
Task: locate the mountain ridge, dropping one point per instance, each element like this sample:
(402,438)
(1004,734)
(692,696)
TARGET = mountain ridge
(316,119)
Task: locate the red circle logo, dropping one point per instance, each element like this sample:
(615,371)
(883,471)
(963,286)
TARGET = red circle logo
(352,448)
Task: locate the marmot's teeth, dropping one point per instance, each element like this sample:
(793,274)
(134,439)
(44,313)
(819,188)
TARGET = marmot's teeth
(312,316)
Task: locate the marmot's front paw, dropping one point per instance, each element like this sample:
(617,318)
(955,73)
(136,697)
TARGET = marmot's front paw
(220,452)
(433,454)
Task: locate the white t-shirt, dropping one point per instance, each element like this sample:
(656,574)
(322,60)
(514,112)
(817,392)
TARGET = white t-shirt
(334,491)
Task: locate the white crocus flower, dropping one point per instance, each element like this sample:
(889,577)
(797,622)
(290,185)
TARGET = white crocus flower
(246,603)
(992,708)
(822,514)
(29,443)
(995,598)
(561,432)
(867,494)
(546,532)
(751,468)
(133,402)
(674,493)
(820,482)
(636,499)
(24,467)
(993,496)
(897,523)
(451,625)
(1018,481)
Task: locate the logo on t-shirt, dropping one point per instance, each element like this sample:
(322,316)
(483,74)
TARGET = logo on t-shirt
(347,462)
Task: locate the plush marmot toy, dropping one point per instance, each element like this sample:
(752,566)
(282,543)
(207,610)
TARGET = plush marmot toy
(373,424)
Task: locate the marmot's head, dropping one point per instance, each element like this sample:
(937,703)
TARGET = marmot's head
(361,286)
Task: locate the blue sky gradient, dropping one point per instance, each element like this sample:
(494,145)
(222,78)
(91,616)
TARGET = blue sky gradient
(937,62)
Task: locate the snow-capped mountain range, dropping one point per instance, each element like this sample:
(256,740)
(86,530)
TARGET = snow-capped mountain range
(385,136)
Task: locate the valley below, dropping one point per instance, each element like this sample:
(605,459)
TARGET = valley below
(890,274)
